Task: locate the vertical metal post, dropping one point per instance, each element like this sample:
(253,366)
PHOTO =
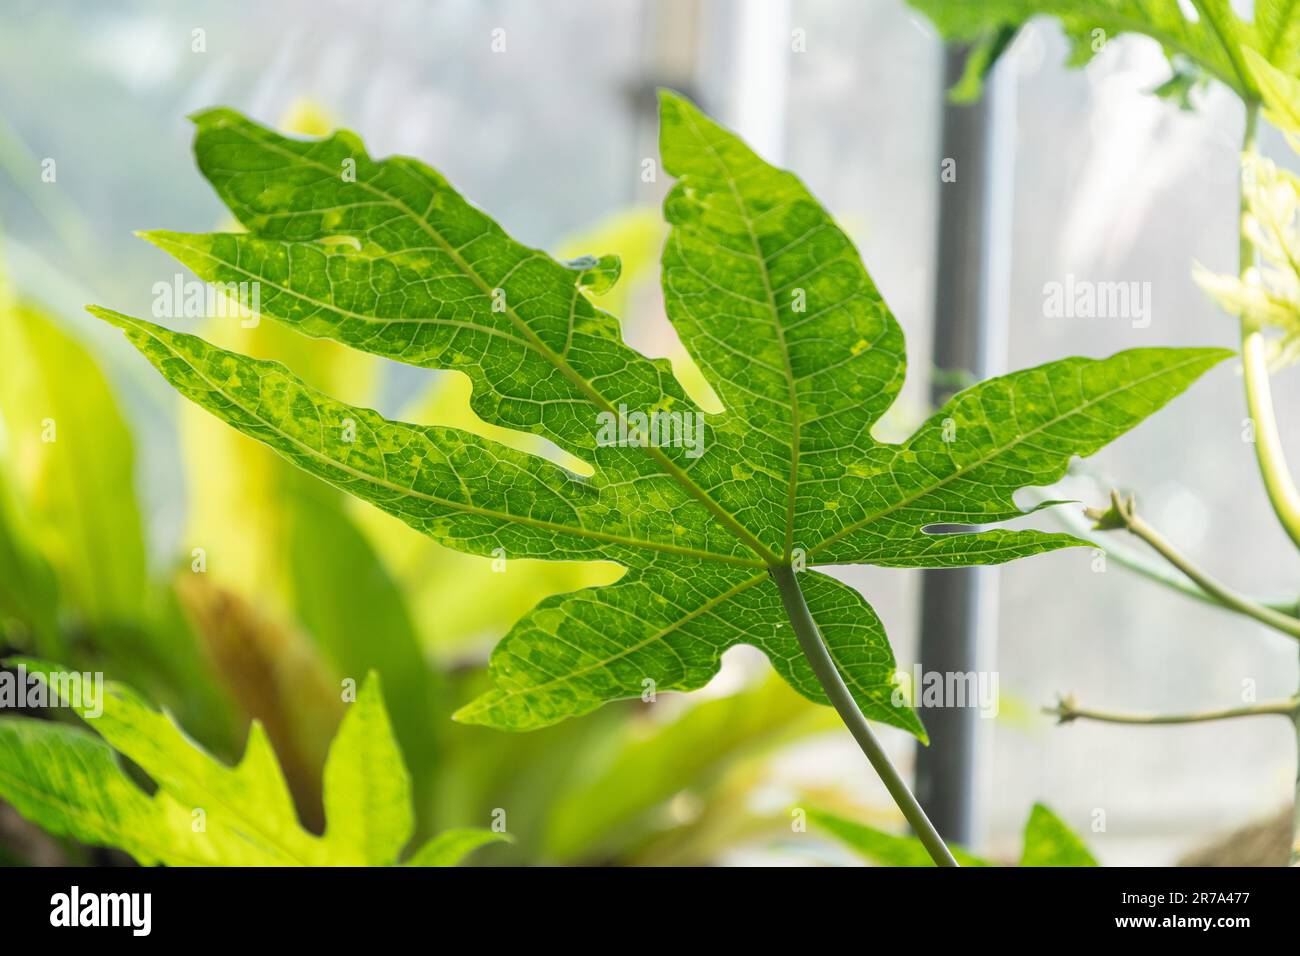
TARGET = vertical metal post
(959,606)
(670,54)
(745,70)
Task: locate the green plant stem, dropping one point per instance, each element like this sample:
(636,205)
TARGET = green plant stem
(810,640)
(1153,571)
(1273,468)
(1066,710)
(1282,493)
(1221,593)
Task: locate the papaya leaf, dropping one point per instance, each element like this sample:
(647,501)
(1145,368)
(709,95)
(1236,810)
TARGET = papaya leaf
(1201,38)
(204,813)
(457,598)
(775,307)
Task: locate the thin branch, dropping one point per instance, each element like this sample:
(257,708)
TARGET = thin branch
(1153,571)
(823,666)
(1123,514)
(1270,455)
(1067,709)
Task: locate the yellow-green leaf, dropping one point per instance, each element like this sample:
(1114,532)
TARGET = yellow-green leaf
(203,812)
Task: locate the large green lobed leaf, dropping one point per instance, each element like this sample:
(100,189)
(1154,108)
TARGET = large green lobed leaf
(774,305)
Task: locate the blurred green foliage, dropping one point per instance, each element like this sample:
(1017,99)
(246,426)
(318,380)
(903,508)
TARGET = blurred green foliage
(1048,841)
(203,813)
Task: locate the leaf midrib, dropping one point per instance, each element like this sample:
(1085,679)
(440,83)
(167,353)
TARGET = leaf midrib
(559,362)
(994,453)
(434,499)
(157,239)
(710,605)
(1283,20)
(1232,50)
(764,274)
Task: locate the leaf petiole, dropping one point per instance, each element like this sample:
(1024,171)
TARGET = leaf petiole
(1124,514)
(1067,710)
(814,649)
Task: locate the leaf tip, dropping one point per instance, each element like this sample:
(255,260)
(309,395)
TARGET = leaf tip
(668,96)
(1214,356)
(160,239)
(211,116)
(471,713)
(673,103)
(127,323)
(485,711)
(108,315)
